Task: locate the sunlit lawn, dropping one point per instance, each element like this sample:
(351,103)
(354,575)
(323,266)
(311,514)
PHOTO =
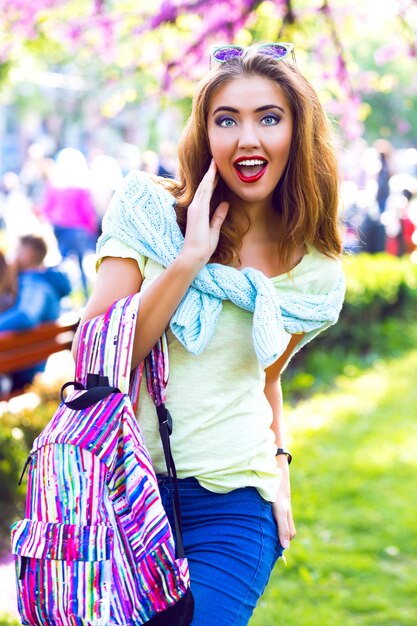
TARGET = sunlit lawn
(354,476)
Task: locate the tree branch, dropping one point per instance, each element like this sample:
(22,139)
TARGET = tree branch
(341,71)
(411,35)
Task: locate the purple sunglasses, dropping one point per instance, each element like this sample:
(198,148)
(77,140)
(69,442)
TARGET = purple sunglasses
(278,51)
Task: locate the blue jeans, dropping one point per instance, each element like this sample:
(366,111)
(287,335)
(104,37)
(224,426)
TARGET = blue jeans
(231,542)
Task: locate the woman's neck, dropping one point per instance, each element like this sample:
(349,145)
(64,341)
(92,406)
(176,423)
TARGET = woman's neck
(257,221)
(262,233)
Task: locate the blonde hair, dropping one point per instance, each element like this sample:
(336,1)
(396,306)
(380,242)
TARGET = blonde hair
(306,197)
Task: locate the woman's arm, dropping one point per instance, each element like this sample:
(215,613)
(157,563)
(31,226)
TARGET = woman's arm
(282,505)
(118,278)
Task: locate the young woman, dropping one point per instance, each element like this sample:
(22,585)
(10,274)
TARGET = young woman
(239,261)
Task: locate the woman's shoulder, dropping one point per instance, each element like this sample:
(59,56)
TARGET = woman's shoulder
(141,198)
(137,183)
(116,248)
(320,274)
(316,274)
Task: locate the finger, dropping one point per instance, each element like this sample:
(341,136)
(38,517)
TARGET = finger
(212,166)
(284,528)
(284,534)
(211,176)
(207,185)
(219,216)
(210,173)
(291,526)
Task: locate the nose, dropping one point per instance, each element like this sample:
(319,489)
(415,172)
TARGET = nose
(248,137)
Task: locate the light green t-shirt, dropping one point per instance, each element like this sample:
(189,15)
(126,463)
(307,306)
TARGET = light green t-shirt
(221,416)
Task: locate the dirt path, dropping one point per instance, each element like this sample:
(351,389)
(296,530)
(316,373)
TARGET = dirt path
(7,590)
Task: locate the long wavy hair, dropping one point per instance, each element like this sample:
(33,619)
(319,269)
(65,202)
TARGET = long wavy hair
(306,197)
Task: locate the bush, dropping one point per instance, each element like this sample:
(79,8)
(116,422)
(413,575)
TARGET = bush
(377,320)
(8,621)
(13,454)
(380,288)
(17,432)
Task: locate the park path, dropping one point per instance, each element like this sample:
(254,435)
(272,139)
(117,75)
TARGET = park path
(8,604)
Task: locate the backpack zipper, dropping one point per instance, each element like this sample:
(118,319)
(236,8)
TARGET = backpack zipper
(28,460)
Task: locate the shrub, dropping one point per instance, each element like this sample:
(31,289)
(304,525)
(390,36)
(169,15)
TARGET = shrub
(13,453)
(17,432)
(380,288)
(6,620)
(377,320)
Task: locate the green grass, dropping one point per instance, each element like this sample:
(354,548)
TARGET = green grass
(8,621)
(354,480)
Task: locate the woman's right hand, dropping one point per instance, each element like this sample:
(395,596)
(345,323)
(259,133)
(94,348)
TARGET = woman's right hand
(202,233)
(120,277)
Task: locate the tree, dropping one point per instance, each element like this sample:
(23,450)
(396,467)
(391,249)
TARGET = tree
(154,47)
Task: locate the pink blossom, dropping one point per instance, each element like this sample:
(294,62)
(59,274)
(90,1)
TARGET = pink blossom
(385,53)
(403,126)
(103,28)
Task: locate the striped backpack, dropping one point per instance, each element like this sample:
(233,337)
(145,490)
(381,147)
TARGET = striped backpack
(96,547)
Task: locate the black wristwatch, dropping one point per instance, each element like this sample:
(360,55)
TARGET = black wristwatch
(286,452)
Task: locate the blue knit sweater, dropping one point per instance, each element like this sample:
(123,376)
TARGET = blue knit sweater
(142,216)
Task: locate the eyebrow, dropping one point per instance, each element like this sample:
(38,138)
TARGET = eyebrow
(266,107)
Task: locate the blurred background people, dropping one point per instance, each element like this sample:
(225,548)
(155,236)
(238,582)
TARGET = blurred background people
(162,163)
(17,216)
(106,177)
(7,284)
(384,150)
(151,164)
(34,174)
(400,223)
(40,290)
(68,206)
(128,156)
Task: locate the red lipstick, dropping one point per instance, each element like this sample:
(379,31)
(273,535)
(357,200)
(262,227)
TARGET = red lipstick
(249,169)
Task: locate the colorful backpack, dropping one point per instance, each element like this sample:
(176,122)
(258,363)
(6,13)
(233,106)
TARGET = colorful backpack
(95,547)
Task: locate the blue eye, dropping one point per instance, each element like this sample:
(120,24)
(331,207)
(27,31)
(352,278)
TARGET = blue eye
(225,122)
(270,120)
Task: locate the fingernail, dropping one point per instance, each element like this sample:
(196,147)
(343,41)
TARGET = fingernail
(286,544)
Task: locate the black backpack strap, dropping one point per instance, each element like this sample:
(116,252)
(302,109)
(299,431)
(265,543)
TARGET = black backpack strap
(165,430)
(94,393)
(157,373)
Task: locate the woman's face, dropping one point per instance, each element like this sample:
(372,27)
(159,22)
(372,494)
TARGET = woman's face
(250,128)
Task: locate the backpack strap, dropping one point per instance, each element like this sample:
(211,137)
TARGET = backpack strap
(157,374)
(104,360)
(94,393)
(104,353)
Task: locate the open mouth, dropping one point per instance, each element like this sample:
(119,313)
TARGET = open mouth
(250,170)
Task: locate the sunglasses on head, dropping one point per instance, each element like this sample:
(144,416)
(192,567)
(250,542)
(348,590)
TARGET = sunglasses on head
(277,51)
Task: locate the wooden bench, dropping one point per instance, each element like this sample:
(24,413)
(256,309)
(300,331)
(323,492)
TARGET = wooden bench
(25,349)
